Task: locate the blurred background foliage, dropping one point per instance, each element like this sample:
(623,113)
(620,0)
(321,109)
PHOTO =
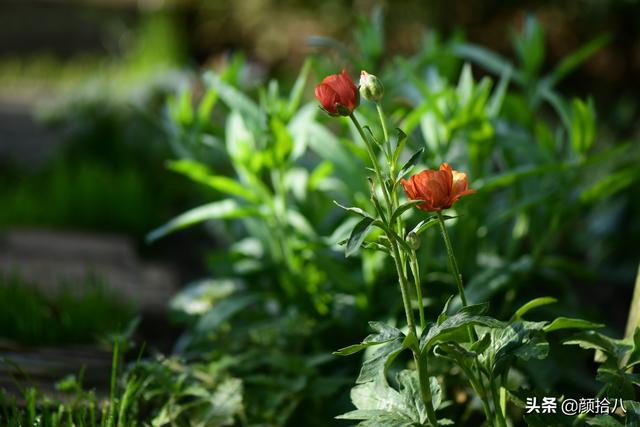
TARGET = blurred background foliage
(535,100)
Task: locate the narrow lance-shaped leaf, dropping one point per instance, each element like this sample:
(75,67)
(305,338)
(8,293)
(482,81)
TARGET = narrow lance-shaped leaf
(298,88)
(410,163)
(199,172)
(355,210)
(567,323)
(538,302)
(399,140)
(403,208)
(225,209)
(358,235)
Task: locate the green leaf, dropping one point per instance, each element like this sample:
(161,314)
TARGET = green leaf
(495,104)
(464,91)
(224,310)
(384,333)
(482,344)
(567,323)
(226,403)
(358,235)
(618,384)
(355,210)
(486,58)
(415,158)
(569,63)
(522,340)
(444,314)
(284,143)
(224,209)
(610,184)
(412,396)
(454,351)
(200,173)
(377,364)
(530,46)
(583,125)
(634,357)
(456,323)
(371,137)
(403,208)
(298,88)
(379,405)
(206,107)
(426,224)
(236,100)
(398,141)
(535,303)
(604,421)
(591,340)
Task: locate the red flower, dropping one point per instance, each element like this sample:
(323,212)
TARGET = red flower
(338,95)
(439,189)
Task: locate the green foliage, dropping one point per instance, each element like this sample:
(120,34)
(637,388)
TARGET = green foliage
(255,349)
(69,316)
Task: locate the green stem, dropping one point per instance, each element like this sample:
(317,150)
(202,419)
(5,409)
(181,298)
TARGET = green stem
(383,123)
(415,270)
(425,387)
(452,260)
(404,286)
(500,419)
(478,387)
(400,263)
(374,161)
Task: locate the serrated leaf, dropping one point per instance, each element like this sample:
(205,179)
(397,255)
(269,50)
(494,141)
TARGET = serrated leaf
(384,333)
(523,340)
(377,364)
(410,392)
(458,322)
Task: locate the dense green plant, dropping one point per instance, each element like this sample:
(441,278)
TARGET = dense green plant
(535,170)
(255,349)
(79,407)
(71,315)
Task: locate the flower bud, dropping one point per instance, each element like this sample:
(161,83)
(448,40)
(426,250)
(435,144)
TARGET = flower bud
(371,87)
(413,240)
(338,95)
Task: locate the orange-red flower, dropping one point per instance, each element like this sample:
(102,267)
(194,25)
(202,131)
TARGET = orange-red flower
(338,95)
(439,189)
